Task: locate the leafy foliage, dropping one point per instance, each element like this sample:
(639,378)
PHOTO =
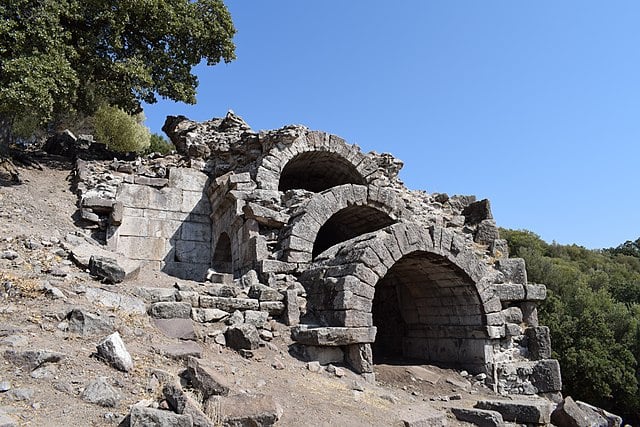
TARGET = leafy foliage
(593,311)
(61,55)
(158,144)
(120,131)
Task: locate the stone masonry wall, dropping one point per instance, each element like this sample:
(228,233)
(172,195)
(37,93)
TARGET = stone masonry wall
(362,267)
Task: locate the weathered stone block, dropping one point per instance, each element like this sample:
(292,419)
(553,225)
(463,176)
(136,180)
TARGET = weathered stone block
(514,269)
(546,376)
(487,232)
(244,410)
(274,308)
(188,251)
(569,414)
(536,292)
(208,381)
(179,328)
(359,357)
(205,315)
(509,292)
(512,315)
(143,417)
(187,179)
(535,411)
(168,310)
(195,231)
(242,337)
(106,269)
(229,304)
(538,342)
(479,417)
(333,336)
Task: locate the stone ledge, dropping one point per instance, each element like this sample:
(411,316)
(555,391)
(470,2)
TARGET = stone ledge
(333,336)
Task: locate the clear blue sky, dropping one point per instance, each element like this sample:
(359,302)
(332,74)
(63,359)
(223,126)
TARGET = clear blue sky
(534,105)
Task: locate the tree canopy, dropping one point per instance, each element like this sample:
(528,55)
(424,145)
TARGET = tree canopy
(593,312)
(65,57)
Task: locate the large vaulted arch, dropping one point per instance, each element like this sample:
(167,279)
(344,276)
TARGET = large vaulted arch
(423,289)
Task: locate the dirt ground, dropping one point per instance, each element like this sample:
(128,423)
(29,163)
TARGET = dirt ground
(35,219)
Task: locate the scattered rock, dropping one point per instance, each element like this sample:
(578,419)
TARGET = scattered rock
(479,417)
(101,393)
(206,380)
(106,269)
(141,416)
(31,359)
(9,254)
(6,420)
(113,351)
(183,404)
(536,411)
(125,303)
(21,394)
(243,337)
(314,366)
(244,410)
(169,310)
(5,386)
(88,324)
(176,328)
(205,315)
(180,351)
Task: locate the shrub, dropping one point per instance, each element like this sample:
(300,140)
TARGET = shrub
(120,131)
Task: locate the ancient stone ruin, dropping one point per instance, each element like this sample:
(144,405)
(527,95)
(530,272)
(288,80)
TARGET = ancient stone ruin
(327,239)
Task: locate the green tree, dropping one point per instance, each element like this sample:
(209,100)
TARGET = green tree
(58,56)
(593,312)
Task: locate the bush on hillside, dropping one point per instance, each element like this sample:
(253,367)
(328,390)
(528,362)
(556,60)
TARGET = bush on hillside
(120,131)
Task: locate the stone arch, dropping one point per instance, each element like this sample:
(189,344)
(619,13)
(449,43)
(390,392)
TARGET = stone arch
(222,255)
(337,215)
(315,161)
(427,292)
(317,171)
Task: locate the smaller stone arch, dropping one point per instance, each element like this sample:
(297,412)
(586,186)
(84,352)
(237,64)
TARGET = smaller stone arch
(222,256)
(336,215)
(315,161)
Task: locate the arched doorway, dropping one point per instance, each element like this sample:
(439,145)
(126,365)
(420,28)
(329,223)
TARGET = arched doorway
(222,258)
(425,308)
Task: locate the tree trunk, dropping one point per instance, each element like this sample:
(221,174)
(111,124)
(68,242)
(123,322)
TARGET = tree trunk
(8,170)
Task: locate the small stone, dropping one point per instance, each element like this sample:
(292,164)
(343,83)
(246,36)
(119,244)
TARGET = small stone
(314,366)
(101,393)
(9,254)
(278,365)
(21,394)
(5,386)
(113,351)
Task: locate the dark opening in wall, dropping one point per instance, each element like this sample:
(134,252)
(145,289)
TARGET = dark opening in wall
(426,308)
(347,224)
(222,260)
(317,171)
